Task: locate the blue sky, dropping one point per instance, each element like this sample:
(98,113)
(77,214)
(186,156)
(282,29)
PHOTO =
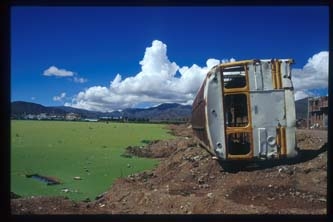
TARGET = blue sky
(107,58)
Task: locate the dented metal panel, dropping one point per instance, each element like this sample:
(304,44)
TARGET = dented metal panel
(268,109)
(286,75)
(290,123)
(214,113)
(245,110)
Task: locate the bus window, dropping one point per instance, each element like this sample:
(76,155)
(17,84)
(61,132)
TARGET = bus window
(236,113)
(234,77)
(239,143)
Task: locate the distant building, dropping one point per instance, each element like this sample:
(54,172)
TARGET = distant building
(42,116)
(57,117)
(30,116)
(318,112)
(72,116)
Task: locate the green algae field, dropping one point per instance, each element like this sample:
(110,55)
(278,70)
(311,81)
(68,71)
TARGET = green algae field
(84,157)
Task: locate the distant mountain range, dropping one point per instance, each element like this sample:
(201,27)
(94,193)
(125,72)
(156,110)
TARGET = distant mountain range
(166,111)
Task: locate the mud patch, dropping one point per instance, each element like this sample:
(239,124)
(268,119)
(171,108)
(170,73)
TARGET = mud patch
(137,151)
(44,179)
(277,197)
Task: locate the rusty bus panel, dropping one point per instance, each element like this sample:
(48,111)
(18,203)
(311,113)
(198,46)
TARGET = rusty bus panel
(198,117)
(245,110)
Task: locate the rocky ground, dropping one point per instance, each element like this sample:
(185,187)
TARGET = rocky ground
(189,181)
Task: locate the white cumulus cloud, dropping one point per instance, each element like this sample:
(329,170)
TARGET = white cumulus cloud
(79,79)
(54,71)
(155,83)
(314,75)
(60,97)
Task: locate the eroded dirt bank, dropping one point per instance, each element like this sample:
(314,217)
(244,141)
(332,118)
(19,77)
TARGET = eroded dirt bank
(189,181)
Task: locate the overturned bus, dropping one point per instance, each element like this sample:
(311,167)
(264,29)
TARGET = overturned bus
(245,110)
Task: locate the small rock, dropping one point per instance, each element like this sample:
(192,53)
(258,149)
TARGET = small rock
(77,178)
(201,181)
(322,199)
(205,186)
(99,196)
(210,195)
(196,158)
(315,180)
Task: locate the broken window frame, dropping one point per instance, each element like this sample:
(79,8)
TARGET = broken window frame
(230,111)
(238,70)
(240,145)
(242,89)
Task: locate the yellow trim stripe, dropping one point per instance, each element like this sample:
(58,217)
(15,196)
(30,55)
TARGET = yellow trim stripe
(281,140)
(278,74)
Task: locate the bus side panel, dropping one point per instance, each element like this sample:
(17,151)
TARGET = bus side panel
(214,112)
(286,75)
(260,76)
(290,124)
(268,113)
(199,116)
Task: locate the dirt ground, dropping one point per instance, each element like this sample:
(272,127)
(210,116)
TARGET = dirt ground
(189,181)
